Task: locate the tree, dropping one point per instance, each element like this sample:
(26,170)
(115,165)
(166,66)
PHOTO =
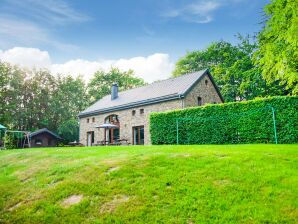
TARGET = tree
(69,99)
(30,100)
(278,44)
(69,130)
(232,68)
(100,85)
(11,88)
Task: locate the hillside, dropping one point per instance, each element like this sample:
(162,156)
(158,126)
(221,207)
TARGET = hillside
(150,184)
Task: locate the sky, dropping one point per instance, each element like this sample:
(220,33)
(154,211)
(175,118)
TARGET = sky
(79,37)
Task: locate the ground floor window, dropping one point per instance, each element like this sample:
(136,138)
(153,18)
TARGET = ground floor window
(90,138)
(138,135)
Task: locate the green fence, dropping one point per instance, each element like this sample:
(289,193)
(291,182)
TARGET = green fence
(271,120)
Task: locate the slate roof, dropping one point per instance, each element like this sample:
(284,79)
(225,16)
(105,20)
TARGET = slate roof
(32,134)
(173,88)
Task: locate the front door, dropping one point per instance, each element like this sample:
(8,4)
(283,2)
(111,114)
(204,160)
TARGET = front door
(138,135)
(112,135)
(90,138)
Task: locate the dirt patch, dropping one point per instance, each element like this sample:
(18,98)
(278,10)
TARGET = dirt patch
(113,161)
(185,155)
(72,200)
(222,182)
(15,206)
(112,169)
(110,206)
(222,156)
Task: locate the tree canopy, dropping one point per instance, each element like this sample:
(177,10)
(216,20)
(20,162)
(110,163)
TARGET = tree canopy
(30,100)
(232,68)
(277,55)
(100,85)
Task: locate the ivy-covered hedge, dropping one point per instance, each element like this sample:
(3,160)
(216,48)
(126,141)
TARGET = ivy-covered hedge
(243,122)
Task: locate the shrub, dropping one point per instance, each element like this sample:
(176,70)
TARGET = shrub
(243,122)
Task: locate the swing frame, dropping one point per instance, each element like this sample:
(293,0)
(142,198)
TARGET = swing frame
(26,135)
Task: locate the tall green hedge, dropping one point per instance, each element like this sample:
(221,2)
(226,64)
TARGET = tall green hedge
(243,122)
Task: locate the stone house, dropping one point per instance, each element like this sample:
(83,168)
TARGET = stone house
(128,112)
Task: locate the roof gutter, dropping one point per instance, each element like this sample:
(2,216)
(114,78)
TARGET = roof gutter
(132,105)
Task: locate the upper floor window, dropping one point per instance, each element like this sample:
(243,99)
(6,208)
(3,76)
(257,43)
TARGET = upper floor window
(93,119)
(206,82)
(87,120)
(199,101)
(141,111)
(133,113)
(112,119)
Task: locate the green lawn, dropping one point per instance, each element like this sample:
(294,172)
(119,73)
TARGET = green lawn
(150,184)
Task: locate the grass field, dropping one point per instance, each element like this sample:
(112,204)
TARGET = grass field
(150,184)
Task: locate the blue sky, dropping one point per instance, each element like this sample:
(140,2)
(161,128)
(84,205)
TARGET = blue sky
(119,33)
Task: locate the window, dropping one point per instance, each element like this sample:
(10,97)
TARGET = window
(133,113)
(206,82)
(93,119)
(87,120)
(199,101)
(141,111)
(38,141)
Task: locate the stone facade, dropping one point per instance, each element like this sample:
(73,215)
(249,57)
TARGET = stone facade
(203,89)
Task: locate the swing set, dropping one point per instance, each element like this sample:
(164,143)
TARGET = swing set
(14,139)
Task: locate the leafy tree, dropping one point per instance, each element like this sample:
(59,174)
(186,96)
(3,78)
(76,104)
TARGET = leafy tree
(11,88)
(69,130)
(100,85)
(278,44)
(232,68)
(30,100)
(69,99)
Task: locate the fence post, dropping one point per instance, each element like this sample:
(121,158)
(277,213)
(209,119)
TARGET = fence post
(177,131)
(274,124)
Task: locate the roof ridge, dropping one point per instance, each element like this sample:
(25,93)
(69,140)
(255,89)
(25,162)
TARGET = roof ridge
(156,82)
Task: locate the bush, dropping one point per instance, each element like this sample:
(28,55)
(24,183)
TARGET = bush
(69,131)
(244,122)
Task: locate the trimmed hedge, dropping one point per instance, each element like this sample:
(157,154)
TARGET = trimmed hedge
(243,122)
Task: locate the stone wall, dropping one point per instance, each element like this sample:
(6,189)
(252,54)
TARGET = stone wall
(127,121)
(203,89)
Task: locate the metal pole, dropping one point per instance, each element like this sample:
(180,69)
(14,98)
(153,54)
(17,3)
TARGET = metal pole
(177,130)
(4,139)
(274,124)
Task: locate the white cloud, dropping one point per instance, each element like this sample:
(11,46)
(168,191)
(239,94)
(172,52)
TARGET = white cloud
(14,31)
(27,57)
(50,11)
(151,68)
(201,11)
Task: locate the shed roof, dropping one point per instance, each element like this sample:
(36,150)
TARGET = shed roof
(40,131)
(173,88)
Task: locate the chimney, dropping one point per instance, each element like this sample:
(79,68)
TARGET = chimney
(114,92)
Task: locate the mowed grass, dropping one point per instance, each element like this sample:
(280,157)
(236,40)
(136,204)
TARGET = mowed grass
(150,184)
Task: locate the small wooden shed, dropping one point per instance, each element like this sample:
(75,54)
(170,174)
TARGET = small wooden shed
(44,138)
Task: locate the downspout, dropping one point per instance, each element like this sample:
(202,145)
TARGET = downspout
(181,97)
